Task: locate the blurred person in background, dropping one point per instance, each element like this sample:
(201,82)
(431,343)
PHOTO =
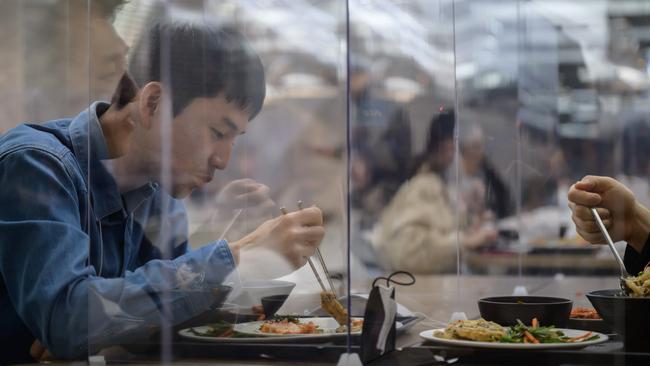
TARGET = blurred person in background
(380,151)
(567,158)
(482,189)
(93,182)
(624,217)
(636,159)
(380,132)
(417,232)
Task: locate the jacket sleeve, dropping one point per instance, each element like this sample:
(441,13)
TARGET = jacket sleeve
(56,292)
(417,231)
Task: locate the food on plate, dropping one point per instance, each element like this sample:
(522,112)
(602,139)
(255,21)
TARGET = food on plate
(473,330)
(289,325)
(484,331)
(536,334)
(357,325)
(332,306)
(639,286)
(220,329)
(584,313)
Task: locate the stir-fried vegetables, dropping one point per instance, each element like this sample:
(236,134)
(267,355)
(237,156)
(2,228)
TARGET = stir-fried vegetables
(535,333)
(220,329)
(484,331)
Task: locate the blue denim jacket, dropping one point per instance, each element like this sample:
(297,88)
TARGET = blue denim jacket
(82,265)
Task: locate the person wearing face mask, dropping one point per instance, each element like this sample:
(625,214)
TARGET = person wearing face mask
(417,231)
(79,270)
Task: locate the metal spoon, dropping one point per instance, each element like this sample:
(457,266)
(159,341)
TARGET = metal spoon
(621,265)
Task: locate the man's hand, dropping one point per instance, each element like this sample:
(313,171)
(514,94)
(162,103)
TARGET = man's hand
(624,218)
(245,193)
(294,236)
(39,353)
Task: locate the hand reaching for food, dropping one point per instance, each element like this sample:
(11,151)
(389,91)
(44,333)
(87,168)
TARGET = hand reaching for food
(246,197)
(248,194)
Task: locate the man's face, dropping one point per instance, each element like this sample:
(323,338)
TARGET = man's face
(202,138)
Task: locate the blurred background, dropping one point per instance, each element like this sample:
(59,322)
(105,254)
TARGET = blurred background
(540,93)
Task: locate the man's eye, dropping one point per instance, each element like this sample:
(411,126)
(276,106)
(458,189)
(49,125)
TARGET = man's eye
(217,135)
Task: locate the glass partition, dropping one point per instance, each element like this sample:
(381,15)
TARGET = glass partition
(184,159)
(508,104)
(274,186)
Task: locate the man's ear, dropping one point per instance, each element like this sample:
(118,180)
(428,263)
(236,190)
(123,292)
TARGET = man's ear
(149,103)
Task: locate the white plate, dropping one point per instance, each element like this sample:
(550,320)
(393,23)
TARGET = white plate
(186,333)
(328,325)
(428,335)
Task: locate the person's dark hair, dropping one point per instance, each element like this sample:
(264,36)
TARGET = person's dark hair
(441,128)
(200,60)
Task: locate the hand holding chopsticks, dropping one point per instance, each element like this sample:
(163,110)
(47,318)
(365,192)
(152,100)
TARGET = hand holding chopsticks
(329,302)
(318,256)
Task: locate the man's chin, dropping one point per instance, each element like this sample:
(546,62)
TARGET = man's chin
(181,192)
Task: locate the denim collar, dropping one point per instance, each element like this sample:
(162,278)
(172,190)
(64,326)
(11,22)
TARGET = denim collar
(90,149)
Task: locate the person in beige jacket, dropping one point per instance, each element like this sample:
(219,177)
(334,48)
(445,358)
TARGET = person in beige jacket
(418,230)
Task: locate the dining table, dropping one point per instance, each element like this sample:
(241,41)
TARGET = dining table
(433,299)
(598,262)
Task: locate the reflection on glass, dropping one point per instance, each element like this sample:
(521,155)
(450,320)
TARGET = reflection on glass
(122,262)
(118,231)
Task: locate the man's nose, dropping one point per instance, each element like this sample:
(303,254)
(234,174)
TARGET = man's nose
(221,156)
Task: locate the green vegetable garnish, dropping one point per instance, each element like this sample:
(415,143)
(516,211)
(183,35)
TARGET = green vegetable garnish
(547,334)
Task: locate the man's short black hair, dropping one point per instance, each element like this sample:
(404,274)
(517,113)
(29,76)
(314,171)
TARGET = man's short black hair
(200,60)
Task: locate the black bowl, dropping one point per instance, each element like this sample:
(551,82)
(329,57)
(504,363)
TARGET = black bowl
(272,303)
(505,310)
(628,316)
